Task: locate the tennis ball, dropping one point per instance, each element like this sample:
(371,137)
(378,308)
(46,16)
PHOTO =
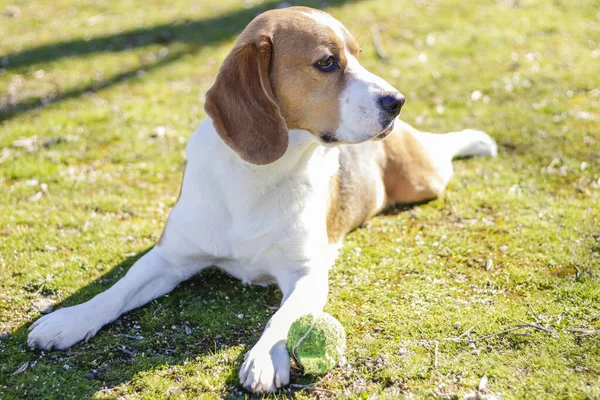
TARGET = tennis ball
(317,342)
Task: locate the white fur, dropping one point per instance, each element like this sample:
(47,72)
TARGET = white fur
(327,20)
(360,108)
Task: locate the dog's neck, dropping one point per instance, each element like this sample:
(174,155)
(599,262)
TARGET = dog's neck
(303,155)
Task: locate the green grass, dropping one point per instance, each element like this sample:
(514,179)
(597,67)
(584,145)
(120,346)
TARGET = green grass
(513,239)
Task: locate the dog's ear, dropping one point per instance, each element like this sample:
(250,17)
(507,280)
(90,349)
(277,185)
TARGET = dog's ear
(242,105)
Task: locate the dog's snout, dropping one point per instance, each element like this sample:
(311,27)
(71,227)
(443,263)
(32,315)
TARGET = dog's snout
(392,103)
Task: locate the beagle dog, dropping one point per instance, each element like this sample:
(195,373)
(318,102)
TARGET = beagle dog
(301,145)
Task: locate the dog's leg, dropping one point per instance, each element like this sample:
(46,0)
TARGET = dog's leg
(419,164)
(150,277)
(267,365)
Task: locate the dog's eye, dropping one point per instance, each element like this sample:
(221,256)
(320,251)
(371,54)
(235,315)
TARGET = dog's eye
(327,64)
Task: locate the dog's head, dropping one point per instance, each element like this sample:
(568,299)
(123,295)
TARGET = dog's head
(297,68)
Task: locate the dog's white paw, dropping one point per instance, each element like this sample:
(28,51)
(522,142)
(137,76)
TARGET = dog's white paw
(480,144)
(63,328)
(265,370)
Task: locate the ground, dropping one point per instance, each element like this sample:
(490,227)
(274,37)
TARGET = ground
(98,98)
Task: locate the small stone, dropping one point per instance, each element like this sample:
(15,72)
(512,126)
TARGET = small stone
(158,132)
(93,374)
(430,40)
(403,351)
(12,11)
(43,305)
(482,383)
(29,144)
(470,396)
(35,197)
(66,367)
(584,115)
(457,325)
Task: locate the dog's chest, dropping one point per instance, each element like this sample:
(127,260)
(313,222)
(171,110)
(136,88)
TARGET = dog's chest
(254,223)
(271,232)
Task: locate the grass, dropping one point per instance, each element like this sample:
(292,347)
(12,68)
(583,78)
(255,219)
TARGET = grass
(106,93)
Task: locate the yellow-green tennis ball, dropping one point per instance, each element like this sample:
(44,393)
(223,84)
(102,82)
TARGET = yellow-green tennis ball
(317,342)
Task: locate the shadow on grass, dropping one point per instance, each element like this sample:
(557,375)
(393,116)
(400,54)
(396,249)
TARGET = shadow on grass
(195,34)
(206,317)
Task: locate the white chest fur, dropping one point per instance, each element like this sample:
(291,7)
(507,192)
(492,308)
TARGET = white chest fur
(250,220)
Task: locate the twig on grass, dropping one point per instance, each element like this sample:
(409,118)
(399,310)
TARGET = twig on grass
(22,368)
(128,352)
(157,309)
(468,331)
(585,332)
(168,352)
(539,328)
(136,337)
(435,356)
(42,286)
(308,387)
(524,325)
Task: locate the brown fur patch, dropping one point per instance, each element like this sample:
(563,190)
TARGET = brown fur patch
(242,105)
(308,97)
(410,175)
(400,162)
(353,190)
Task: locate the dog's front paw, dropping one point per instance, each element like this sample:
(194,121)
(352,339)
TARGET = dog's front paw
(265,369)
(63,328)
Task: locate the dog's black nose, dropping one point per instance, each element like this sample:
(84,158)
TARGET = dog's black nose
(392,103)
